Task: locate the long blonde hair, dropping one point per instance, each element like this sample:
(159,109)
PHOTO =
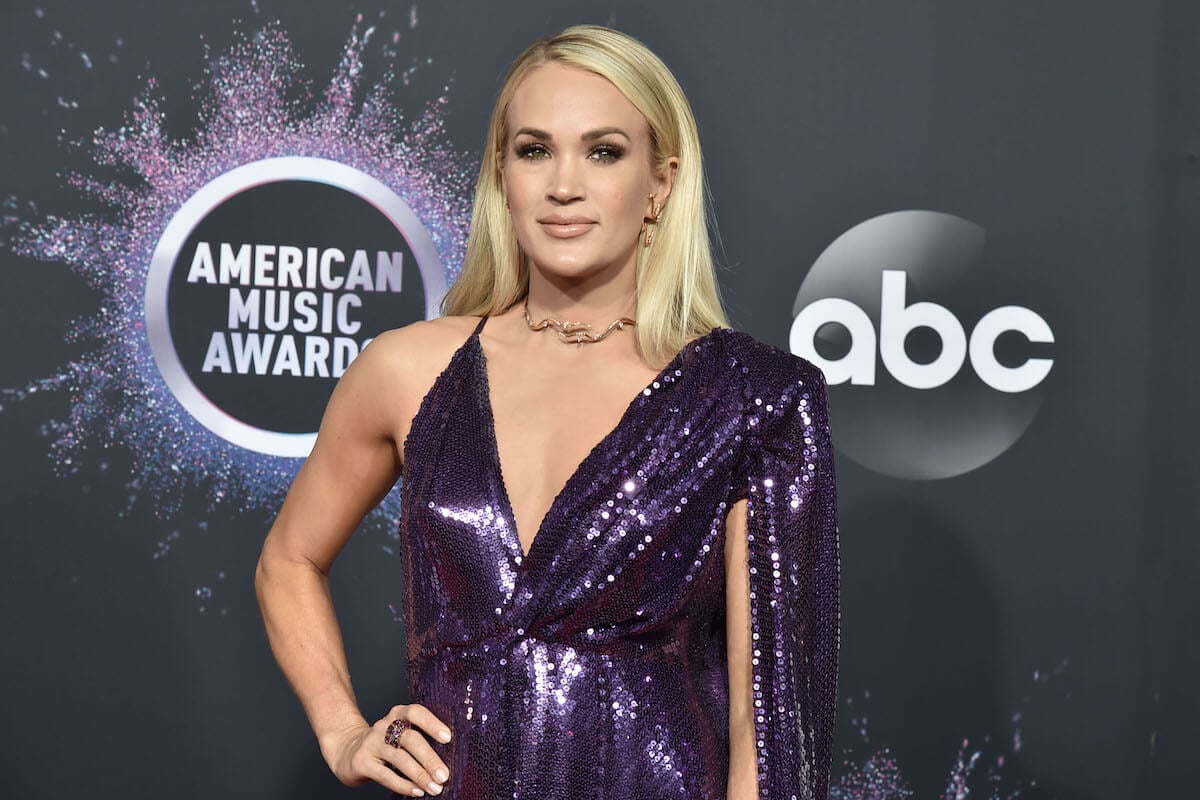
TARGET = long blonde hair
(678,297)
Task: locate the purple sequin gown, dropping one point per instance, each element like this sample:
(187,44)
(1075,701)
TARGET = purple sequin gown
(595,667)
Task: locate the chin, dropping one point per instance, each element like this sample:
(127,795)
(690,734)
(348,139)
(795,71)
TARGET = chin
(570,268)
(576,265)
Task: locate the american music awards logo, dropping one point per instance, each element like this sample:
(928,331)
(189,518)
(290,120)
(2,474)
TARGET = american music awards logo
(269,281)
(242,269)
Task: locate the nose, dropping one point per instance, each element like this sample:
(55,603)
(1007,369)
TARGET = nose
(566,183)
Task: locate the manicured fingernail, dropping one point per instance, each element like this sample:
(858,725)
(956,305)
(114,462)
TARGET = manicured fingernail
(444,734)
(416,790)
(434,788)
(442,775)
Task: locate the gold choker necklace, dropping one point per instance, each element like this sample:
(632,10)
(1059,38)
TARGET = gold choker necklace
(575,332)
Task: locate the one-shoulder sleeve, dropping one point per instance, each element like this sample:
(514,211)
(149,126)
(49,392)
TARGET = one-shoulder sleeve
(786,475)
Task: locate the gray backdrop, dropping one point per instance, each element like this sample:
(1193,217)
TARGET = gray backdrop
(1038,610)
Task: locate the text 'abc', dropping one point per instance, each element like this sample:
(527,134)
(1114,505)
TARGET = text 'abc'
(897,320)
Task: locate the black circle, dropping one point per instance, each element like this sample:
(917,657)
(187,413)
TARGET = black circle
(313,217)
(923,345)
(832,341)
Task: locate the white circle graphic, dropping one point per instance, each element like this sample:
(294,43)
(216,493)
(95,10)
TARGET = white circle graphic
(196,208)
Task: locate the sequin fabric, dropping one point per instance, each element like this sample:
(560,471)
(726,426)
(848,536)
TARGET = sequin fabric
(596,666)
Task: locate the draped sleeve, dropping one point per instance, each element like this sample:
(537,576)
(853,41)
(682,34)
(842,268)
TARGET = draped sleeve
(786,475)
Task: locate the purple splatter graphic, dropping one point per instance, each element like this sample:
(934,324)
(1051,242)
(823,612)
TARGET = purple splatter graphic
(254,104)
(869,772)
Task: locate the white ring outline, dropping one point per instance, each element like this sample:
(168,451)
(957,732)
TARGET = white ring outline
(196,208)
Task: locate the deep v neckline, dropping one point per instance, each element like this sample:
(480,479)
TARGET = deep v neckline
(493,443)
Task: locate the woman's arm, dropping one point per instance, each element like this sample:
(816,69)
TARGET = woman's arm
(743,770)
(784,583)
(353,465)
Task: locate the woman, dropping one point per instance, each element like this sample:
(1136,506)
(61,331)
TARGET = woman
(605,597)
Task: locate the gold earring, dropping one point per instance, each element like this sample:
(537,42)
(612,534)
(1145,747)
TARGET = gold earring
(651,220)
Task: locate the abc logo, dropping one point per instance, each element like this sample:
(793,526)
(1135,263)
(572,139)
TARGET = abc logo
(915,392)
(897,320)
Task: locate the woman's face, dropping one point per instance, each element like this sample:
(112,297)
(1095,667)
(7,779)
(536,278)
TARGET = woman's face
(576,172)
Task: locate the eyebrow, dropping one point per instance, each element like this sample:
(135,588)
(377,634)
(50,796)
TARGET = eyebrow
(588,136)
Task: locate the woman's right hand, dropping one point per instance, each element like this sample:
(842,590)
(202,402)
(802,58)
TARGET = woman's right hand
(410,767)
(354,463)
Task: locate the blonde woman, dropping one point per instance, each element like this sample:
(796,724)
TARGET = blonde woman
(619,532)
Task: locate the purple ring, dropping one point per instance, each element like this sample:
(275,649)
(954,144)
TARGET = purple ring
(394,729)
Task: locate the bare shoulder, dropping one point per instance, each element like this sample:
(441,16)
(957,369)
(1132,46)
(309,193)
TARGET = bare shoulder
(402,364)
(420,347)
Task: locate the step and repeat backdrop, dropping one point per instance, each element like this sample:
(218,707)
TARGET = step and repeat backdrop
(978,218)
